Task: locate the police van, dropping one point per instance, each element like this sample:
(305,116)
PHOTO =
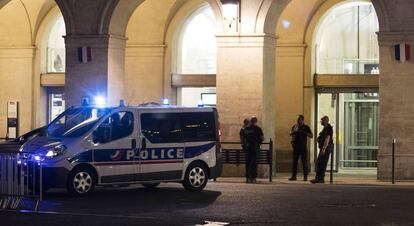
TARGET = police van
(92,146)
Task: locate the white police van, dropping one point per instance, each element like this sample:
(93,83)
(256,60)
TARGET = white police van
(89,146)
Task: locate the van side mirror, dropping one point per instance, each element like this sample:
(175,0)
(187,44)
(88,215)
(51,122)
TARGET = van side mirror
(22,140)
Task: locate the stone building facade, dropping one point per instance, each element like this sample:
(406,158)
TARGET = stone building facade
(265,64)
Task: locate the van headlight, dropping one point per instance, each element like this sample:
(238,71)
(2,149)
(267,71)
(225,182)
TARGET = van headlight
(56,151)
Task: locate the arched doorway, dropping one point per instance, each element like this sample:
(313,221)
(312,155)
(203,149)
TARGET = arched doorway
(55,64)
(346,68)
(196,56)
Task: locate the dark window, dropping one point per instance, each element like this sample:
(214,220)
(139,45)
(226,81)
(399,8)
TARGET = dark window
(198,126)
(161,127)
(117,126)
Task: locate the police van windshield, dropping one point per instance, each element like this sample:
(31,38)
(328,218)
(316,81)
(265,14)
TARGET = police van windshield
(75,122)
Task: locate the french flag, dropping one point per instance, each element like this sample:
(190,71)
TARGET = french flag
(84,54)
(403,52)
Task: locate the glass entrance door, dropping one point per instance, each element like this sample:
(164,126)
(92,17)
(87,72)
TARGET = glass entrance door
(361,131)
(354,117)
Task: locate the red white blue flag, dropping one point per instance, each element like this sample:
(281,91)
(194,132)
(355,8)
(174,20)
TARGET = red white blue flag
(84,54)
(402,52)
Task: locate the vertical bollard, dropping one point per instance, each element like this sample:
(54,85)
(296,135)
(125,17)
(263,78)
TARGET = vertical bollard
(270,156)
(393,160)
(332,166)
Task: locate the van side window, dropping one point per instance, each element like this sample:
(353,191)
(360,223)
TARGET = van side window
(198,126)
(117,126)
(161,127)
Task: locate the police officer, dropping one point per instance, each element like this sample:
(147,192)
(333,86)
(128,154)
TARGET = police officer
(326,146)
(299,133)
(246,123)
(254,137)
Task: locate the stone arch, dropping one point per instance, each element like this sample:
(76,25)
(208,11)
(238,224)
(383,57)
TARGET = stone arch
(214,4)
(268,15)
(42,35)
(320,9)
(67,15)
(382,15)
(311,13)
(103,16)
(21,57)
(14,13)
(3,3)
(151,40)
(115,22)
(175,25)
(294,29)
(121,16)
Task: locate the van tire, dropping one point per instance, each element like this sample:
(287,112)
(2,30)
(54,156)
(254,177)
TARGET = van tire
(81,181)
(150,185)
(196,177)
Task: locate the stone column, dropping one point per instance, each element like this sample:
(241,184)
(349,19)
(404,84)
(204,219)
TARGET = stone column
(396,107)
(143,81)
(103,76)
(245,84)
(292,95)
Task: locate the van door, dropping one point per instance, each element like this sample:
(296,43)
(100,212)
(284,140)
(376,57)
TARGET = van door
(161,147)
(114,146)
(200,136)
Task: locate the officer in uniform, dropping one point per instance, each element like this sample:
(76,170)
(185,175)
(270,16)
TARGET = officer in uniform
(246,123)
(254,138)
(326,146)
(299,133)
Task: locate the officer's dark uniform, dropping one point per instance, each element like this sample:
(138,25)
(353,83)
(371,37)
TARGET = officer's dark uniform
(253,136)
(322,160)
(299,143)
(244,148)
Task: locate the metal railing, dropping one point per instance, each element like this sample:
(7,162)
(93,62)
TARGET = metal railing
(20,181)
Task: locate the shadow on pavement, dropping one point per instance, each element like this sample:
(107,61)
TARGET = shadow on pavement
(131,200)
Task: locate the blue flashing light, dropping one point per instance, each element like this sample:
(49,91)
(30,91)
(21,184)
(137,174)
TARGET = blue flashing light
(165,102)
(99,100)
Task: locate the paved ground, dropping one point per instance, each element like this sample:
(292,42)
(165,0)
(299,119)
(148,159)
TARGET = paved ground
(235,203)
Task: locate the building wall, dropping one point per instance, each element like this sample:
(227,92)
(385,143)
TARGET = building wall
(145,51)
(289,99)
(244,59)
(16,64)
(294,83)
(23,25)
(396,110)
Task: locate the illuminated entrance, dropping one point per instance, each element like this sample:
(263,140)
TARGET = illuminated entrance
(196,59)
(346,63)
(354,117)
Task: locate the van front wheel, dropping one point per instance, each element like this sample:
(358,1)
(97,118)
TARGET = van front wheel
(81,182)
(195,178)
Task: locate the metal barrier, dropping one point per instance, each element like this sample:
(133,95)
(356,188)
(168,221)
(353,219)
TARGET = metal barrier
(20,180)
(232,153)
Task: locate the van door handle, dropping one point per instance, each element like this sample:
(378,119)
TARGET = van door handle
(144,143)
(134,144)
